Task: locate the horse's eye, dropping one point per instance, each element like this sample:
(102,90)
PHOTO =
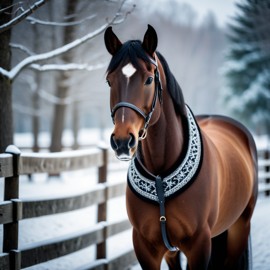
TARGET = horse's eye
(149,81)
(108,82)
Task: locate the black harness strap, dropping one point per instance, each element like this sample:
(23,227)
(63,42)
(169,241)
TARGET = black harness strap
(162,219)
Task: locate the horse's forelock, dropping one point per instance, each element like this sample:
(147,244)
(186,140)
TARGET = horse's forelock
(131,51)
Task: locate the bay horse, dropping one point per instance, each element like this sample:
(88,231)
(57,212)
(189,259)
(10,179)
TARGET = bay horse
(192,181)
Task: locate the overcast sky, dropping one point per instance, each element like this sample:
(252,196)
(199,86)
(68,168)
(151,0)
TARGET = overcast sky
(223,9)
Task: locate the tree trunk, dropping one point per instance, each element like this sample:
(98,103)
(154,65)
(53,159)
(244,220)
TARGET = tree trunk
(75,125)
(63,87)
(6,116)
(36,109)
(36,97)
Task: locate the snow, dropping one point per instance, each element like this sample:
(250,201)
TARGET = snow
(72,183)
(260,235)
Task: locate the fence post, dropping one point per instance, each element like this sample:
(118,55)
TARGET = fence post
(267,169)
(102,208)
(11,193)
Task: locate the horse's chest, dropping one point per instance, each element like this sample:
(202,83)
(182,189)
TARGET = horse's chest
(145,218)
(143,182)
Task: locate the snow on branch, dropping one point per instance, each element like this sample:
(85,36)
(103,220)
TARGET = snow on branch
(14,72)
(10,7)
(21,48)
(22,16)
(33,20)
(67,67)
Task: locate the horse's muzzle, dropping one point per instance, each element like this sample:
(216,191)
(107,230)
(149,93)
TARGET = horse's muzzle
(123,147)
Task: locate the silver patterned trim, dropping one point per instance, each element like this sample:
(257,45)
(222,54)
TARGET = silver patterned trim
(180,177)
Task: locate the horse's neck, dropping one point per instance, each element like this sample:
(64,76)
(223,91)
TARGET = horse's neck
(164,142)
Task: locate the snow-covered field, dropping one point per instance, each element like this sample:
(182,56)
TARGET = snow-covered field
(39,229)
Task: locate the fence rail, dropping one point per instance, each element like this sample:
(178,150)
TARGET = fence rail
(13,209)
(264,171)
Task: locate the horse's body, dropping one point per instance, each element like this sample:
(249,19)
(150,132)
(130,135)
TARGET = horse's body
(209,221)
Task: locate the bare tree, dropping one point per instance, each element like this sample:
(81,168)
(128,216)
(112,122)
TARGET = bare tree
(6,123)
(62,87)
(8,74)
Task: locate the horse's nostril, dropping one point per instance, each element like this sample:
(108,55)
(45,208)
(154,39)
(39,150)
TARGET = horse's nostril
(132,141)
(113,143)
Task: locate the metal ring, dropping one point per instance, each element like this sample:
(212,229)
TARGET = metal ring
(162,218)
(143,136)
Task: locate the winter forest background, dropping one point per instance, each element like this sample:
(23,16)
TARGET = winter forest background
(222,69)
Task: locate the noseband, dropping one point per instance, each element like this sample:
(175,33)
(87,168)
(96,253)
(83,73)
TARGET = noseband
(145,116)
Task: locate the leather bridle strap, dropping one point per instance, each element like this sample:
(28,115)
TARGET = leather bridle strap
(127,105)
(162,219)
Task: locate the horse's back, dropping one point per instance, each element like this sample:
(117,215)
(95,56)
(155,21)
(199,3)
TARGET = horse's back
(221,128)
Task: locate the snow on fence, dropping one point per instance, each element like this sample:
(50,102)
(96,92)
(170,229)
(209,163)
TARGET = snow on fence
(12,209)
(264,171)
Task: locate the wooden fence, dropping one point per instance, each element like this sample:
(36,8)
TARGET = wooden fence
(13,209)
(264,171)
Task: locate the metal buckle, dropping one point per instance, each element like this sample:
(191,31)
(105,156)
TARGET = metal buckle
(144,134)
(162,219)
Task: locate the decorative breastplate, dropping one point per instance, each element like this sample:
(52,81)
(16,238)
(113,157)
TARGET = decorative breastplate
(180,178)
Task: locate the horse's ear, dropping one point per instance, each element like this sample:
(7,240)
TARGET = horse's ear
(150,40)
(112,43)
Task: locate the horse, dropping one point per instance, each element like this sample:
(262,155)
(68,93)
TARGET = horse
(192,181)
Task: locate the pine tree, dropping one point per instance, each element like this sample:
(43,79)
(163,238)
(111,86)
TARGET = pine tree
(248,71)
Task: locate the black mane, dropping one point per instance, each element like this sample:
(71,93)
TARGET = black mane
(132,51)
(173,87)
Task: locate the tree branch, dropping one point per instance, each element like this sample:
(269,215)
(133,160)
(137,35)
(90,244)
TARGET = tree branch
(21,48)
(67,67)
(14,72)
(22,16)
(33,20)
(5,9)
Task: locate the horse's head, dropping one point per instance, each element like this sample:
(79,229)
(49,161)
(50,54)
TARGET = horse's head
(133,77)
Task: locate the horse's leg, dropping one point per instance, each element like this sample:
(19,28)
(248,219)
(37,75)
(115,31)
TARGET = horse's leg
(173,260)
(147,254)
(198,250)
(219,251)
(237,245)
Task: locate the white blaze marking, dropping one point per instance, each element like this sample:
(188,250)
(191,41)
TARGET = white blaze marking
(128,70)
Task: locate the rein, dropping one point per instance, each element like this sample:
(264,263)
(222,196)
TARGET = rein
(146,117)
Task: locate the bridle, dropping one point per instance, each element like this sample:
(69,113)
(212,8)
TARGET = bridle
(145,116)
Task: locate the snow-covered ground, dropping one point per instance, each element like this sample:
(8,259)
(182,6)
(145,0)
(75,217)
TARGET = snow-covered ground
(43,228)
